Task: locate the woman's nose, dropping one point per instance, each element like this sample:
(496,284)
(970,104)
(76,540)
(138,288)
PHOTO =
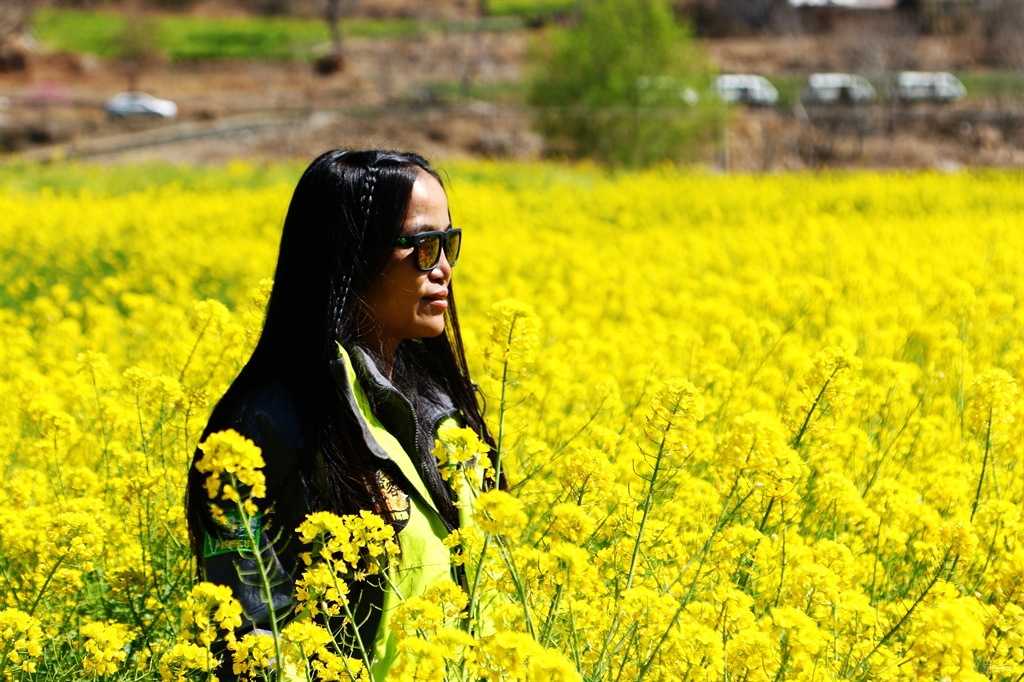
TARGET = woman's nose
(442,270)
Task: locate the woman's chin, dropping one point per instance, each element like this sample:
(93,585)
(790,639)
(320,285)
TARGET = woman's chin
(430,329)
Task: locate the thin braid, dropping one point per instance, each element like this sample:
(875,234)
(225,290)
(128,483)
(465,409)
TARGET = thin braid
(366,199)
(366,204)
(338,313)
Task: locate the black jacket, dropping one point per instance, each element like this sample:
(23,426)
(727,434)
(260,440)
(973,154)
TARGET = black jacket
(294,489)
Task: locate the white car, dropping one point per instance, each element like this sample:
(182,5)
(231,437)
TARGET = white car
(139,104)
(929,85)
(834,88)
(745,88)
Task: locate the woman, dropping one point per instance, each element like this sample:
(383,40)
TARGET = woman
(359,362)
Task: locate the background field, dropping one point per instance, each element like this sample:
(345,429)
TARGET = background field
(452,79)
(848,507)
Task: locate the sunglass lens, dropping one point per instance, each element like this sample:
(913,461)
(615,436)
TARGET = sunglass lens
(451,251)
(429,252)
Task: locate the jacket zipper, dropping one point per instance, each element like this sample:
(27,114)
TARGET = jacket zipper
(416,447)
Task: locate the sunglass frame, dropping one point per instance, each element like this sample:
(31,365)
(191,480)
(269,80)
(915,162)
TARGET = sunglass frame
(444,236)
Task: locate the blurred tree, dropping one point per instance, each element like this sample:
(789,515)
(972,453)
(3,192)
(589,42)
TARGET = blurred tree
(136,43)
(623,86)
(173,5)
(946,16)
(1003,27)
(14,16)
(334,61)
(719,18)
(272,8)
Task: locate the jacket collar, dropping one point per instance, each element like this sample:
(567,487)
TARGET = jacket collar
(430,408)
(344,375)
(355,371)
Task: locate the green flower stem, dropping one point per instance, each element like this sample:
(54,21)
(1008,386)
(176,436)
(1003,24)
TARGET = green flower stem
(814,406)
(363,653)
(501,412)
(142,430)
(476,580)
(56,461)
(506,556)
(46,584)
(984,464)
(264,580)
(703,554)
(3,658)
(648,502)
(984,567)
(191,353)
(574,640)
(892,631)
(545,637)
(13,591)
(472,607)
(103,428)
(874,566)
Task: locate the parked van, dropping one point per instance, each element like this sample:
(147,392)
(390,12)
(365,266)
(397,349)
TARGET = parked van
(745,88)
(838,88)
(935,86)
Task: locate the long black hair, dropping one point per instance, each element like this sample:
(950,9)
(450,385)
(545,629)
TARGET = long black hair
(346,209)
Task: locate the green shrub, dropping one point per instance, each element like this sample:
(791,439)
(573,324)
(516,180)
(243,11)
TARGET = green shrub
(627,85)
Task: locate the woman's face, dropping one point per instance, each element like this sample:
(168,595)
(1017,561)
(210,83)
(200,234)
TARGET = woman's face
(404,302)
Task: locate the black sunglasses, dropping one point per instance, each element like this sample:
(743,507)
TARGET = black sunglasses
(428,247)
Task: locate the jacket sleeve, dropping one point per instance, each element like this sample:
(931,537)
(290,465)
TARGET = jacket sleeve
(228,558)
(291,495)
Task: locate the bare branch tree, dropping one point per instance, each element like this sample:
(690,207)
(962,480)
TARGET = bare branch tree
(136,43)
(333,12)
(1003,22)
(14,16)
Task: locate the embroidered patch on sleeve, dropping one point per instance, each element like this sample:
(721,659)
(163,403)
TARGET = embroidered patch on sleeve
(232,538)
(395,498)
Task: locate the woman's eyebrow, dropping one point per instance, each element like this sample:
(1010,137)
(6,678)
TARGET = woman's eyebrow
(427,227)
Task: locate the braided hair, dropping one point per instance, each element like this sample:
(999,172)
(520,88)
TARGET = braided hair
(365,205)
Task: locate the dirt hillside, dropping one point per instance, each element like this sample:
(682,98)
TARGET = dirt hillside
(447,94)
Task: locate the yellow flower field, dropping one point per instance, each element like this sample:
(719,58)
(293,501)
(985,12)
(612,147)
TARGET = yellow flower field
(755,428)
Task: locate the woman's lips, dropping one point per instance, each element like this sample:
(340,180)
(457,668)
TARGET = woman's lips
(438,300)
